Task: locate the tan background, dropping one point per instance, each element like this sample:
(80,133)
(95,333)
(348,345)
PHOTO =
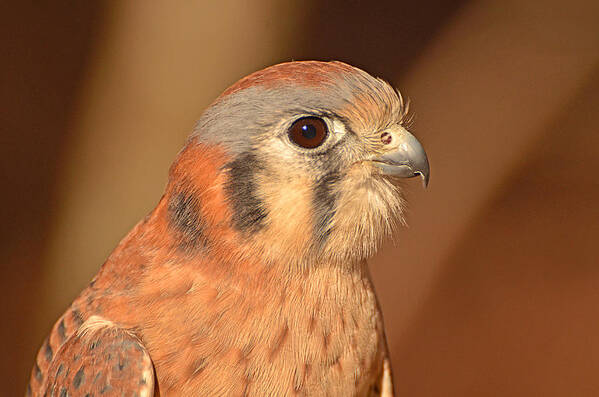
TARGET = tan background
(492,290)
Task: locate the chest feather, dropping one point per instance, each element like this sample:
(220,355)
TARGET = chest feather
(314,335)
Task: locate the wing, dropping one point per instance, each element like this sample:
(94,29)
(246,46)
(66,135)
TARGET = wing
(100,359)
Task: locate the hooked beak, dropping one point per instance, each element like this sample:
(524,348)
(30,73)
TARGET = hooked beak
(405,158)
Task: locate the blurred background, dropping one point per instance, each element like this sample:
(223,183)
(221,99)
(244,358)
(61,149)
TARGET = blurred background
(492,289)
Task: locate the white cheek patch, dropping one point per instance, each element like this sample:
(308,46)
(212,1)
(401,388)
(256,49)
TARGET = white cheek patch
(338,128)
(281,148)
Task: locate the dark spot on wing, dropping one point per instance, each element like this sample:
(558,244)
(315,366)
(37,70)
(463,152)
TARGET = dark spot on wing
(248,210)
(121,364)
(37,372)
(94,344)
(89,301)
(61,330)
(105,388)
(48,353)
(185,215)
(79,378)
(77,318)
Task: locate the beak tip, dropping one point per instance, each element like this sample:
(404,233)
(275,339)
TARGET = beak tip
(425,173)
(425,178)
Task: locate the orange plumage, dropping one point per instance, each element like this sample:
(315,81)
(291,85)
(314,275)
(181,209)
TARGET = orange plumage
(249,277)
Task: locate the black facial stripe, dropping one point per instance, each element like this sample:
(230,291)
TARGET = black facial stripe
(185,216)
(325,205)
(249,212)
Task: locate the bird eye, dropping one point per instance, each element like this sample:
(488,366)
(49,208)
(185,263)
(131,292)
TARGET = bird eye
(308,132)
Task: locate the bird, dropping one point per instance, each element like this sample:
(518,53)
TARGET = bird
(250,276)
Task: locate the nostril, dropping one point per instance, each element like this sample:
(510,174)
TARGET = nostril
(386,138)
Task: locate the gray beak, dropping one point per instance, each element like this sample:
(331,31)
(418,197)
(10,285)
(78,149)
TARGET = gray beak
(406,157)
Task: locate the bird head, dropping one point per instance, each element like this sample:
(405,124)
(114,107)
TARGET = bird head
(297,163)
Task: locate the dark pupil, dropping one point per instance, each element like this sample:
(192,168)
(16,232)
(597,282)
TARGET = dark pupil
(309,131)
